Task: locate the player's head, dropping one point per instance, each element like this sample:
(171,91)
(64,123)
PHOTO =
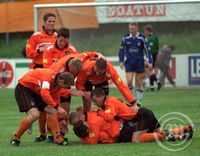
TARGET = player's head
(133,28)
(64,80)
(62,38)
(100,67)
(98,96)
(148,30)
(49,21)
(81,129)
(74,65)
(74,117)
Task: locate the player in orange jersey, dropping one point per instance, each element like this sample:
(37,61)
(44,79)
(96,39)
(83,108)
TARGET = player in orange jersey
(60,49)
(41,40)
(93,129)
(138,126)
(65,63)
(39,90)
(97,72)
(53,53)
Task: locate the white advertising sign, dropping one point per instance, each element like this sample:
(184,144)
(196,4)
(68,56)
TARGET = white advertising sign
(148,13)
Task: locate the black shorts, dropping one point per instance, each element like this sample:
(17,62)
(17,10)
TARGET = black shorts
(65,99)
(104,85)
(145,120)
(27,99)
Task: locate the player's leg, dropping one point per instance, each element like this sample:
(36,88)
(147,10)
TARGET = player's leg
(139,77)
(129,80)
(53,123)
(65,104)
(26,103)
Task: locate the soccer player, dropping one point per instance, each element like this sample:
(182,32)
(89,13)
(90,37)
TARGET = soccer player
(153,46)
(133,47)
(96,73)
(163,63)
(39,90)
(52,54)
(41,40)
(99,130)
(141,126)
(60,48)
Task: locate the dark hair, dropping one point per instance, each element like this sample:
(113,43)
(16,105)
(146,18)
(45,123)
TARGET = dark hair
(148,28)
(133,23)
(81,130)
(64,32)
(47,15)
(97,92)
(67,77)
(101,63)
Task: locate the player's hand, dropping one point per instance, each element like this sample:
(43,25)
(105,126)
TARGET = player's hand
(134,108)
(101,56)
(87,95)
(77,93)
(121,64)
(42,48)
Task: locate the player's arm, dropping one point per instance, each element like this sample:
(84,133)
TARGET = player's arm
(123,88)
(46,94)
(47,58)
(147,52)
(121,52)
(81,79)
(31,51)
(109,113)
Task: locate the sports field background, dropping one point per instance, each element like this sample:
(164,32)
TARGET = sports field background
(184,100)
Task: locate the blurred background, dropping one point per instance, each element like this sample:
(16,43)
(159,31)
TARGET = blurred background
(101,28)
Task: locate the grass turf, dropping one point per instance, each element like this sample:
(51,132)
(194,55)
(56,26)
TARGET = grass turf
(185,100)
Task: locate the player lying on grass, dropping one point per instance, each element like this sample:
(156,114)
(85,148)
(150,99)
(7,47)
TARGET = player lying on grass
(39,90)
(104,125)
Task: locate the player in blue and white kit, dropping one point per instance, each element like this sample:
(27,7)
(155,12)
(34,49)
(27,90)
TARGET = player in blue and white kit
(132,55)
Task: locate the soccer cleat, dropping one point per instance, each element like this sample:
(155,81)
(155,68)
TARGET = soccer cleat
(40,138)
(159,86)
(15,141)
(169,136)
(50,138)
(187,136)
(64,143)
(138,103)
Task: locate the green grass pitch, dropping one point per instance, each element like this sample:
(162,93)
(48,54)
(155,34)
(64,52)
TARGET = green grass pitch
(184,100)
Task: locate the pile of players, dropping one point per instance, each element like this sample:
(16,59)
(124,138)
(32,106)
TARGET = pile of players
(44,93)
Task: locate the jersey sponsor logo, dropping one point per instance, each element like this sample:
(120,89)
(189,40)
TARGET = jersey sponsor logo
(119,80)
(194,70)
(6,74)
(107,111)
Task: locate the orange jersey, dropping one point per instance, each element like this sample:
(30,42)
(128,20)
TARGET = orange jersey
(53,54)
(60,65)
(100,131)
(41,81)
(88,74)
(37,40)
(115,107)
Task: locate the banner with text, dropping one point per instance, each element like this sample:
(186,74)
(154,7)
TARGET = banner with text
(148,13)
